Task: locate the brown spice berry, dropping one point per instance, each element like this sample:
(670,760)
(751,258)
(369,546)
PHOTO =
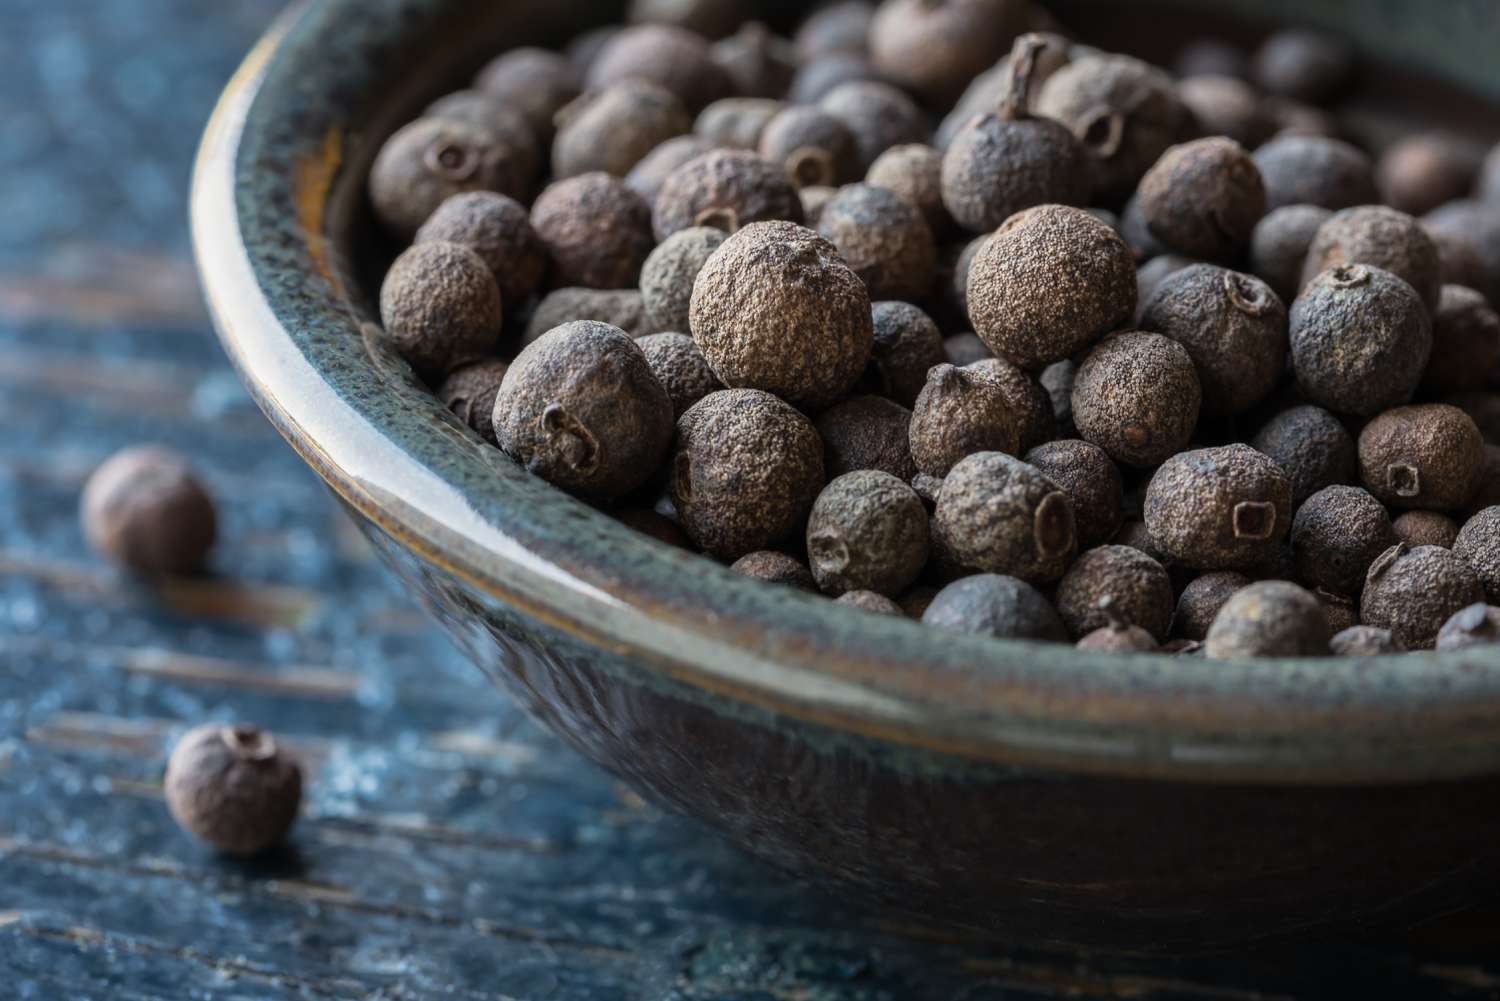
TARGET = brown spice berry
(1118,583)
(1057,379)
(583,49)
(1412,592)
(1459,262)
(998,606)
(469,391)
(884,239)
(815,148)
(965,349)
(1421,457)
(1201,601)
(498,229)
(1426,528)
(841,26)
(776,568)
(647,176)
(1118,637)
(867,432)
(581,408)
(231,786)
(673,58)
(996,514)
(515,147)
(1224,106)
(1426,170)
(431,159)
(1312,447)
(907,346)
(877,115)
(914,171)
(1474,226)
(1150,275)
(989,90)
(1124,110)
(1272,618)
(775,308)
(1360,340)
(1484,408)
(1092,481)
(1475,626)
(935,47)
(1233,327)
(1278,247)
(615,129)
(710,18)
(681,368)
(1486,481)
(1225,508)
(817,79)
(1364,641)
(623,308)
(1465,343)
(1305,65)
(144,510)
(869,601)
(1049,283)
(1031,403)
(724,189)
(746,471)
(1137,396)
(759,63)
(1376,236)
(736,122)
(961,412)
(813,200)
(668,275)
(597,231)
(1478,544)
(440,307)
(867,532)
(1204,198)
(1315,170)
(535,83)
(1336,535)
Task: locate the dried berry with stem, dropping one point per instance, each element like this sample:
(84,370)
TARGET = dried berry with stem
(724,189)
(884,239)
(1336,535)
(867,432)
(429,160)
(998,606)
(1092,481)
(1201,600)
(233,787)
(759,63)
(1379,237)
(815,148)
(867,532)
(680,367)
(1137,396)
(498,229)
(597,231)
(774,567)
(1224,508)
(669,273)
(1413,591)
(996,514)
(1203,198)
(1423,456)
(440,307)
(1272,618)
(1278,246)
(958,413)
(877,115)
(1118,583)
(469,392)
(145,511)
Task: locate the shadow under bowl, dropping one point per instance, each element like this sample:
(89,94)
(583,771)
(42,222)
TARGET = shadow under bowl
(1029,793)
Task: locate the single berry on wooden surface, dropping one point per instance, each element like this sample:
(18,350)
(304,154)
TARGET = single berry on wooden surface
(146,511)
(233,787)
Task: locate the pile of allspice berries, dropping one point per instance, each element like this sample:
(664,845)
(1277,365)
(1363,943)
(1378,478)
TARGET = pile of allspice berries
(926,307)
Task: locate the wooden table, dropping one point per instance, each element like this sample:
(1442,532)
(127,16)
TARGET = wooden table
(449,848)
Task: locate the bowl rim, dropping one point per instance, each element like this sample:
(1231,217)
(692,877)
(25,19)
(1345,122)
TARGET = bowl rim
(288,321)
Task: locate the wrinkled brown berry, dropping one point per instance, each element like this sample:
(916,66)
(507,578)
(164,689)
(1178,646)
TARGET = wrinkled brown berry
(935,47)
(1031,404)
(1272,618)
(647,176)
(535,83)
(1311,447)
(885,240)
(440,307)
(145,511)
(1422,456)
(431,159)
(867,432)
(1426,528)
(1315,170)
(1224,106)
(1376,236)
(1412,592)
(869,601)
(877,115)
(759,63)
(668,275)
(581,408)
(867,532)
(1475,626)
(915,172)
(673,58)
(773,567)
(1310,66)
(1478,544)
(1057,379)
(1336,535)
(1278,247)
(1225,508)
(815,148)
(1201,601)
(232,787)
(907,346)
(1364,641)
(1204,198)
(681,368)
(597,231)
(1116,583)
(998,606)
(615,129)
(1465,343)
(1092,481)
(623,308)
(1426,170)
(724,189)
(736,122)
(1137,397)
(996,514)
(469,391)
(498,229)
(961,412)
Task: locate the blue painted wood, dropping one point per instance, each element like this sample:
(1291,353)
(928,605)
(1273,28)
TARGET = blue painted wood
(449,847)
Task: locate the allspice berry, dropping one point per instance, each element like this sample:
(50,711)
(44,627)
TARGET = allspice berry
(935,47)
(958,413)
(469,391)
(1116,583)
(998,606)
(498,229)
(1224,508)
(1423,171)
(821,77)
(1224,106)
(1426,528)
(1272,618)
(515,146)
(1137,396)
(1315,170)
(775,308)
(884,239)
(1278,246)
(724,189)
(1465,343)
(673,58)
(647,176)
(1204,198)
(680,367)
(1423,456)
(907,346)
(867,532)
(877,115)
(815,148)
(1050,282)
(1031,403)
(774,567)
(668,275)
(759,63)
(440,307)
(965,349)
(1201,600)
(1312,447)
(736,122)
(709,18)
(841,26)
(1379,237)
(1057,379)
(233,787)
(1092,481)
(1233,327)
(613,130)
(1478,545)
(146,511)
(996,514)
(1118,637)
(431,159)
(597,231)
(1412,592)
(1475,626)
(745,473)
(867,432)
(535,83)
(915,172)
(869,601)
(623,308)
(581,408)
(1337,533)
(1364,641)
(1360,340)
(1304,65)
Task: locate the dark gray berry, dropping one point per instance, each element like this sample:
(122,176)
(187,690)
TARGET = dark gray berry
(1315,170)
(1201,600)
(1225,508)
(1312,447)
(774,567)
(867,432)
(498,229)
(1465,343)
(815,148)
(1278,247)
(1336,535)
(668,275)
(469,391)
(1364,641)
(724,189)
(597,231)
(907,346)
(867,532)
(884,239)
(1426,528)
(1377,237)
(1478,544)
(621,308)
(998,606)
(869,601)
(613,130)
(431,159)
(1116,583)
(996,514)
(1137,397)
(680,367)
(877,115)
(1412,592)
(1092,481)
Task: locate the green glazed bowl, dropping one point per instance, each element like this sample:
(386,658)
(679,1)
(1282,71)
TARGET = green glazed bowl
(1025,792)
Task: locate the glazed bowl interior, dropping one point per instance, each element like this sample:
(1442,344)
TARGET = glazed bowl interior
(289,255)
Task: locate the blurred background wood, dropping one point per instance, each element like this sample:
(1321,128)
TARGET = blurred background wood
(449,848)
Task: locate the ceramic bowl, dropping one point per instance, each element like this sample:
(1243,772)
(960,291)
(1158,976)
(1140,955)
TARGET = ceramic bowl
(1019,791)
